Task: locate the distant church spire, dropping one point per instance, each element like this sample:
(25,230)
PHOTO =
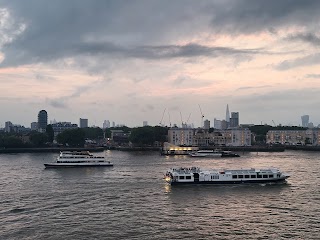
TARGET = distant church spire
(227,114)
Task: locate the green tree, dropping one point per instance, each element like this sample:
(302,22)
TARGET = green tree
(38,139)
(93,132)
(10,141)
(72,137)
(50,133)
(142,136)
(148,135)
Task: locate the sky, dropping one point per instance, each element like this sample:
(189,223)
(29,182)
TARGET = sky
(163,62)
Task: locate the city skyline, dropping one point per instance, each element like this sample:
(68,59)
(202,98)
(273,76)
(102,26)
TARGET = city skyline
(129,61)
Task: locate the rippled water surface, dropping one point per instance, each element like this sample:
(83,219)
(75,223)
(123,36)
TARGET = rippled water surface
(131,200)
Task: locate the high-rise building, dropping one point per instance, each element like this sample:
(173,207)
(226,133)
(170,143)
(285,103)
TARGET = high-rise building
(217,124)
(227,114)
(8,126)
(305,120)
(106,124)
(83,123)
(234,120)
(42,120)
(145,123)
(34,126)
(206,124)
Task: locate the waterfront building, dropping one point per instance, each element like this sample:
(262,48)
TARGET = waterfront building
(42,120)
(83,123)
(305,120)
(202,137)
(59,127)
(181,136)
(238,137)
(289,137)
(119,137)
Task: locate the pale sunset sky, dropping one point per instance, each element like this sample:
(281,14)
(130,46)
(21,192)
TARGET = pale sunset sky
(132,61)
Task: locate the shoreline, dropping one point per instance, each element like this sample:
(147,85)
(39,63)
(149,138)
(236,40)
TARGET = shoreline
(101,149)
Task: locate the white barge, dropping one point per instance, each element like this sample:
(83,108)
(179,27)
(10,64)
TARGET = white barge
(213,153)
(78,159)
(195,175)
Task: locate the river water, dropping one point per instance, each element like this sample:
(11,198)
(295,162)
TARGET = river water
(131,200)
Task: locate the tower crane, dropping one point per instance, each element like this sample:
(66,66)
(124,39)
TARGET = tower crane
(162,117)
(202,116)
(274,123)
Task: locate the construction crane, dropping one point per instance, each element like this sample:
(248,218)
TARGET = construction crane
(274,123)
(181,119)
(162,116)
(188,119)
(202,116)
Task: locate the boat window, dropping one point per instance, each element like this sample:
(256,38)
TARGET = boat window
(188,177)
(265,176)
(234,176)
(246,176)
(240,176)
(271,176)
(278,175)
(259,176)
(181,177)
(253,176)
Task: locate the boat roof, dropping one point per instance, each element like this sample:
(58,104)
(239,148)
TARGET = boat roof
(224,171)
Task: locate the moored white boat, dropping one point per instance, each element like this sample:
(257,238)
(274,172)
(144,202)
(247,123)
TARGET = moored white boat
(78,159)
(213,153)
(195,175)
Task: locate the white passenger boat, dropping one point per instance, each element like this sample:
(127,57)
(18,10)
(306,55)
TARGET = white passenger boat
(195,175)
(213,153)
(78,159)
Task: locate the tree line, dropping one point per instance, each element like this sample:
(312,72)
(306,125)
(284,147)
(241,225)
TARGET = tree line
(140,136)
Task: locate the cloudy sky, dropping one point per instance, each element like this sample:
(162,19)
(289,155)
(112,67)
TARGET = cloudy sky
(158,61)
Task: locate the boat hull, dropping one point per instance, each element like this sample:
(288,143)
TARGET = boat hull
(63,165)
(228,182)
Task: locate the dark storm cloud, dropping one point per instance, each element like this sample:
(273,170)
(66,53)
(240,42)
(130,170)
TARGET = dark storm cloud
(140,29)
(310,38)
(249,16)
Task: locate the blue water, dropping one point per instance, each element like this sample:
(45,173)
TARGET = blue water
(131,200)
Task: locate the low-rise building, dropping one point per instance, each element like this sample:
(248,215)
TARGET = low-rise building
(181,136)
(289,137)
